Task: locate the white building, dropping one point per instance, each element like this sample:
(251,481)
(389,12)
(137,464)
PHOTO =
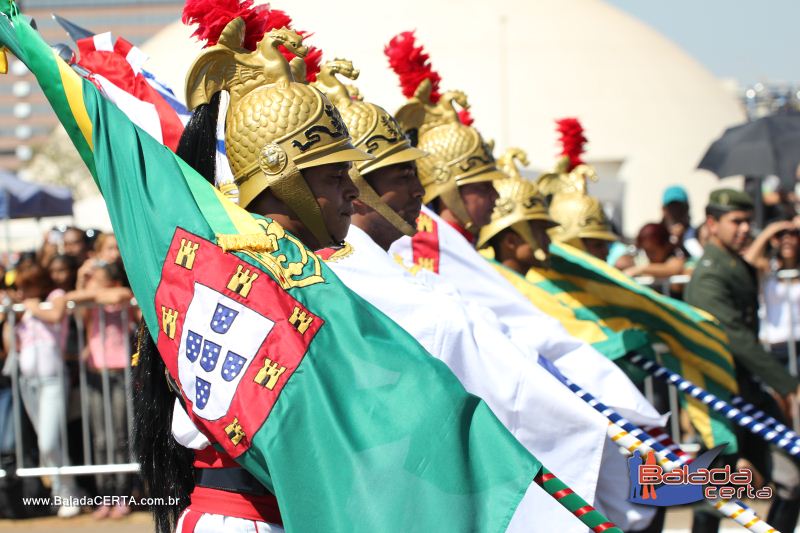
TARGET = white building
(641,99)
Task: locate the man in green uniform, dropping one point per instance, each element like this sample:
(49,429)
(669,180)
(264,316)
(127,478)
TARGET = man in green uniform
(726,286)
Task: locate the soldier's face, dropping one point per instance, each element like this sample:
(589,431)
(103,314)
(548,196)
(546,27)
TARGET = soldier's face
(399,187)
(731,229)
(334,190)
(479,199)
(596,247)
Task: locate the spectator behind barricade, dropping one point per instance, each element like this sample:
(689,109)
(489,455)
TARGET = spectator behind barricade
(675,218)
(76,243)
(6,415)
(40,335)
(24,260)
(63,271)
(52,242)
(779,200)
(108,326)
(104,251)
(775,249)
(663,257)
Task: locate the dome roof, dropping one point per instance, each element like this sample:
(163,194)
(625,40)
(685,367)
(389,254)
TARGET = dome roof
(524,64)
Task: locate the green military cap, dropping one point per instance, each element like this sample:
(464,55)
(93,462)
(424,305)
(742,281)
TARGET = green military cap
(730,200)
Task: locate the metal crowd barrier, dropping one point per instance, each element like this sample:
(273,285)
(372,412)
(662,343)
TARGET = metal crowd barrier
(93,464)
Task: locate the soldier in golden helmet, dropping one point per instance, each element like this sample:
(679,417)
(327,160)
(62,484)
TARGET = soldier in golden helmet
(581,220)
(390,193)
(459,172)
(517,235)
(288,148)
(288,158)
(451,329)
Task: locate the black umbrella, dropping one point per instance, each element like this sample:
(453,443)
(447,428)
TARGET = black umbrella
(763,147)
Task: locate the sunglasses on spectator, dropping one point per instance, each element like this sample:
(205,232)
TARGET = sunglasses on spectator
(784,232)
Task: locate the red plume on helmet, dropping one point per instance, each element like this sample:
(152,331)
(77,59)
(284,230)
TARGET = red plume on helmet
(410,63)
(211,17)
(572,140)
(465,117)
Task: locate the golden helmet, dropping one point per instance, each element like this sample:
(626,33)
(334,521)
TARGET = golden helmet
(373,130)
(275,126)
(457,153)
(518,203)
(579,215)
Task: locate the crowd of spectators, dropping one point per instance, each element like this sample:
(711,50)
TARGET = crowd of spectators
(672,247)
(67,321)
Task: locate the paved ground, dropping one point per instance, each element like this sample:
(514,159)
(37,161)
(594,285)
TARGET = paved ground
(133,523)
(678,521)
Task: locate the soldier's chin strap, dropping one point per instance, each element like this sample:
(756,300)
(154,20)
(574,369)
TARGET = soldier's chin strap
(290,187)
(370,198)
(293,191)
(523,229)
(451,198)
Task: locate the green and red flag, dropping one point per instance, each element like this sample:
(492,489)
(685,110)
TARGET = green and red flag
(621,309)
(324,399)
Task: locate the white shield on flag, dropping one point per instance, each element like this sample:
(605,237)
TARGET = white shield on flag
(217,330)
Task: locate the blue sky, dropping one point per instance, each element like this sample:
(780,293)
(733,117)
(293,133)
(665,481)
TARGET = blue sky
(748,41)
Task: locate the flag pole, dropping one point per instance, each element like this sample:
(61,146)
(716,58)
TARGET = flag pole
(737,512)
(572,502)
(769,434)
(761,416)
(633,438)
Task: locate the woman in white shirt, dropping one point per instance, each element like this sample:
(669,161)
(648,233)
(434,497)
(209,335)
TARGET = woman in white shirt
(780,306)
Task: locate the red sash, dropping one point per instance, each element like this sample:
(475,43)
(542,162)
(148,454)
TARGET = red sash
(425,244)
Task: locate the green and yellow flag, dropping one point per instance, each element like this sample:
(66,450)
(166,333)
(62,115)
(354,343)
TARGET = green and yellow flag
(600,305)
(325,400)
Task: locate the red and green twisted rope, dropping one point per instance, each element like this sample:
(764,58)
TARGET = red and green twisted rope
(573,503)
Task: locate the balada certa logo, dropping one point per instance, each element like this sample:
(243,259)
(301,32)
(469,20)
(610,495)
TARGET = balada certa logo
(652,485)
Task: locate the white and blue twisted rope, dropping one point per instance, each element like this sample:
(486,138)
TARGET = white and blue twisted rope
(763,430)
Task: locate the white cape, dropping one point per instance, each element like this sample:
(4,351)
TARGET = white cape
(563,432)
(535,332)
